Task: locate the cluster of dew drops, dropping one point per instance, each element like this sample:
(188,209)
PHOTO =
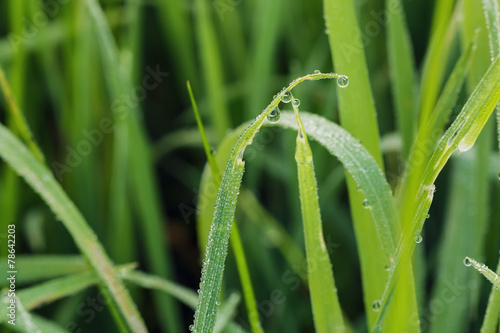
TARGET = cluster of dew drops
(274,116)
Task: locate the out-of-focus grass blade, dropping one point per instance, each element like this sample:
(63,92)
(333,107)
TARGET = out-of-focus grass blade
(41,323)
(358,116)
(212,69)
(492,316)
(237,246)
(140,161)
(442,34)
(18,118)
(326,309)
(38,268)
(457,241)
(185,295)
(42,181)
(485,271)
(402,69)
(227,312)
(213,266)
(47,292)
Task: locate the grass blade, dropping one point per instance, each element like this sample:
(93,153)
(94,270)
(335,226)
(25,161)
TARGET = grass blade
(402,70)
(18,118)
(485,271)
(44,267)
(325,304)
(492,317)
(237,246)
(42,181)
(358,116)
(213,267)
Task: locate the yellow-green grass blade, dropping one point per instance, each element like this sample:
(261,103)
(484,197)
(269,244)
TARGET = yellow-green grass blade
(42,181)
(402,70)
(212,69)
(358,116)
(236,244)
(41,323)
(492,317)
(326,309)
(218,239)
(460,136)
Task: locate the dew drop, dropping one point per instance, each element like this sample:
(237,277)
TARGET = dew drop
(317,71)
(358,187)
(217,303)
(286,97)
(498,175)
(376,306)
(296,102)
(387,267)
(274,116)
(366,203)
(343,81)
(428,216)
(191,328)
(418,239)
(467,261)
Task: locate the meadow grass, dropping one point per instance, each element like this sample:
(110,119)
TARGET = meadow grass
(380,214)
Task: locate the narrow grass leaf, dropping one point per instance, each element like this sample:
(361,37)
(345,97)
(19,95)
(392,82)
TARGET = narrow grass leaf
(492,16)
(213,266)
(402,70)
(326,309)
(43,267)
(18,118)
(465,128)
(485,271)
(42,181)
(237,246)
(492,316)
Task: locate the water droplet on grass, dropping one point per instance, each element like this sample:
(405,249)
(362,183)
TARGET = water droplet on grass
(296,102)
(317,71)
(418,239)
(376,306)
(286,97)
(274,116)
(467,261)
(387,267)
(366,203)
(191,328)
(343,81)
(217,303)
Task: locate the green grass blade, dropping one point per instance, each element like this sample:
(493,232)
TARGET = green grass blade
(212,69)
(460,135)
(358,116)
(325,304)
(236,244)
(140,161)
(442,34)
(492,15)
(485,271)
(492,316)
(42,181)
(18,118)
(144,280)
(402,70)
(213,267)
(43,267)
